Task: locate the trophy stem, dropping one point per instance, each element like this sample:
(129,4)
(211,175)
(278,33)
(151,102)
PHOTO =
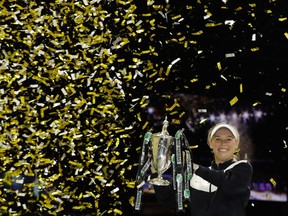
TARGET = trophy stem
(159,181)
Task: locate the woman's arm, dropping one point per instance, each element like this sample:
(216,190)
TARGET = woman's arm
(233,181)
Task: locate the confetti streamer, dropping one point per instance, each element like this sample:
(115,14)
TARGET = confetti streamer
(233,101)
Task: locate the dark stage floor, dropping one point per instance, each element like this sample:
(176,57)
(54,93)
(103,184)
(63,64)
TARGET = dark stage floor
(261,208)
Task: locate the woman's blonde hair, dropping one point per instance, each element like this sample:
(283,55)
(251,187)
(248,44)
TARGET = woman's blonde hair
(228,126)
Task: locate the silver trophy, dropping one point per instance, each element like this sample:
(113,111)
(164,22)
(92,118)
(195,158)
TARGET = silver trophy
(161,154)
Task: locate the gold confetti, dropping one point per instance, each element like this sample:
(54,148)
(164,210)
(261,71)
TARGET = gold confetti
(256,103)
(255,49)
(273,182)
(219,66)
(233,101)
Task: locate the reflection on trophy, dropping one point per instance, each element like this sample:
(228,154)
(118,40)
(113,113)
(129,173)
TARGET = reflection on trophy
(161,154)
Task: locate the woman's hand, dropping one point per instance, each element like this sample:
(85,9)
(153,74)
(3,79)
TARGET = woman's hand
(195,167)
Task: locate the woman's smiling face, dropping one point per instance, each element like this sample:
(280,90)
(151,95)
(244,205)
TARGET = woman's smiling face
(224,145)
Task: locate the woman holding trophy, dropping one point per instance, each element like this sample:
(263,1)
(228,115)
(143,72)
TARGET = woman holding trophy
(224,187)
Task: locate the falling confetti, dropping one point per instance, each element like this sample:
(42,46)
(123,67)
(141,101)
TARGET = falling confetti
(77,78)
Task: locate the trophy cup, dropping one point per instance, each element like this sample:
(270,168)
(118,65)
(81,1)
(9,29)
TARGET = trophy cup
(161,151)
(161,154)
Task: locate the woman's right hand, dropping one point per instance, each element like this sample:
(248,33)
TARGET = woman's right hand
(195,167)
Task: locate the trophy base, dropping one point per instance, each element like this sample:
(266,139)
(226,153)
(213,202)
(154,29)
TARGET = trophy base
(159,182)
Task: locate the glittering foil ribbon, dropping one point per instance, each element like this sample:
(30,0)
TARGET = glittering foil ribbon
(182,169)
(147,138)
(138,202)
(144,164)
(179,190)
(173,171)
(188,175)
(178,148)
(179,170)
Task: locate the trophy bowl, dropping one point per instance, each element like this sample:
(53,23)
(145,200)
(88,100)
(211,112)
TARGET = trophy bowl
(161,156)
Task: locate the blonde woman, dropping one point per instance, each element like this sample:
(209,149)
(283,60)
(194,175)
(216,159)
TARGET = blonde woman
(224,187)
